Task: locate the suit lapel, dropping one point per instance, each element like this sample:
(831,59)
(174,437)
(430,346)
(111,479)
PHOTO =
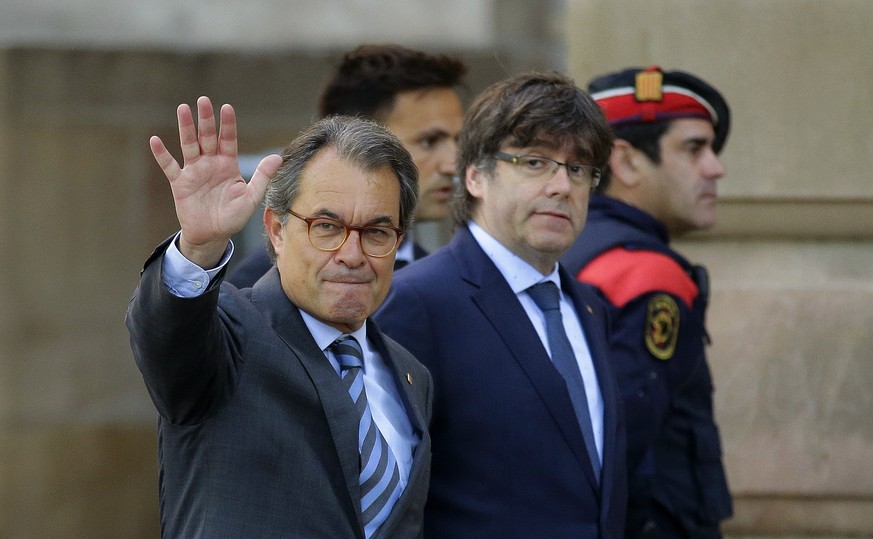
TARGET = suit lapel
(341,416)
(402,377)
(414,405)
(510,322)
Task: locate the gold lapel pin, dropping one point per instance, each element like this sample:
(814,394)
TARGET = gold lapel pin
(590,310)
(409,378)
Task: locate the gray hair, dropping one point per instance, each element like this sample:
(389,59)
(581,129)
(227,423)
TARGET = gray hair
(363,143)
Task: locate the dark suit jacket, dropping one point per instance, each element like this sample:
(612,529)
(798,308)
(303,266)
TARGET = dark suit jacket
(509,459)
(254,265)
(257,436)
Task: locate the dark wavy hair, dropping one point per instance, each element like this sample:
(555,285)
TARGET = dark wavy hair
(370,76)
(521,111)
(644,137)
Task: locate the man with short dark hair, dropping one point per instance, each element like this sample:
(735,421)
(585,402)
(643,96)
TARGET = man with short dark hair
(528,433)
(661,182)
(283,410)
(413,94)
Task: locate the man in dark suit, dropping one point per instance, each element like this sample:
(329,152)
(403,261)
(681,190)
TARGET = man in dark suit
(528,435)
(284,412)
(412,93)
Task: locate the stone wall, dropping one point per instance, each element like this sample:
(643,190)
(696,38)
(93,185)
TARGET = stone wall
(790,261)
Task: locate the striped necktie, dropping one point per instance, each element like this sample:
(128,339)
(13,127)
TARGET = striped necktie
(380,474)
(547,297)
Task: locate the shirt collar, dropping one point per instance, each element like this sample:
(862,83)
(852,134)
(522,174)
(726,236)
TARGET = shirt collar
(518,273)
(324,334)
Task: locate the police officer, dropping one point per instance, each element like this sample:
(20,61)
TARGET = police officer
(660,183)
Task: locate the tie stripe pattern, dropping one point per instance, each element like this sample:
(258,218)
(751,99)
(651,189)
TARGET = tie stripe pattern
(380,474)
(547,297)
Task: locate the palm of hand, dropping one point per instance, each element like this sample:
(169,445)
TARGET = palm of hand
(212,200)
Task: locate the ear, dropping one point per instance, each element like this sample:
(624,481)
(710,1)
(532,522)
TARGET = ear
(273,228)
(474,180)
(624,163)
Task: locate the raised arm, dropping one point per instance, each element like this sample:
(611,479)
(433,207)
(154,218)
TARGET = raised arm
(213,201)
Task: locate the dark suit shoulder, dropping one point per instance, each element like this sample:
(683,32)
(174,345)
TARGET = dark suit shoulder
(588,295)
(251,268)
(427,267)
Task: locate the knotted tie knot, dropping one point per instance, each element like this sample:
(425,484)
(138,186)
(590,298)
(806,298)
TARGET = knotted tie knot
(348,352)
(546,296)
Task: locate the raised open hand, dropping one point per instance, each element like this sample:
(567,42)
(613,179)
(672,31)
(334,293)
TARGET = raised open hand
(212,199)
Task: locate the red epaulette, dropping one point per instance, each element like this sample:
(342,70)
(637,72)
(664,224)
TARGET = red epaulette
(623,274)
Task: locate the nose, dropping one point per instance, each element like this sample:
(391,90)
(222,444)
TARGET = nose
(713,166)
(560,182)
(448,158)
(350,252)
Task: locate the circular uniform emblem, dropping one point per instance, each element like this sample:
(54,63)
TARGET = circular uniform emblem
(662,326)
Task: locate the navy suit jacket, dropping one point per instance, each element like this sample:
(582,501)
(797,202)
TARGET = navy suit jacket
(257,436)
(509,459)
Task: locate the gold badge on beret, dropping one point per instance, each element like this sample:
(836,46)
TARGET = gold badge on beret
(662,326)
(649,86)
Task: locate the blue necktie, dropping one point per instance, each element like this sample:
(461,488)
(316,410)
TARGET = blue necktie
(547,298)
(380,474)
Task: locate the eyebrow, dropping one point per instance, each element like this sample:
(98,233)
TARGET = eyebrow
(379,220)
(542,143)
(432,133)
(696,141)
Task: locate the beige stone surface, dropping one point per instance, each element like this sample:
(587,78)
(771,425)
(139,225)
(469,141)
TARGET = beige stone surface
(796,73)
(58,480)
(255,25)
(792,330)
(6,232)
(800,518)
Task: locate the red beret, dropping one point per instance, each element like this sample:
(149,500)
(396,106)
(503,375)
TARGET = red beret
(636,95)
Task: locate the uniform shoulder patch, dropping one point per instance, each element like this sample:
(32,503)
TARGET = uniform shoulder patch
(624,275)
(662,326)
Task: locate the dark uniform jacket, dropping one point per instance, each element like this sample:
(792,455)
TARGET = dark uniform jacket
(657,299)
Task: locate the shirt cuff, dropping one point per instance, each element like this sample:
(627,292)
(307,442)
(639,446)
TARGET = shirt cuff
(184,278)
